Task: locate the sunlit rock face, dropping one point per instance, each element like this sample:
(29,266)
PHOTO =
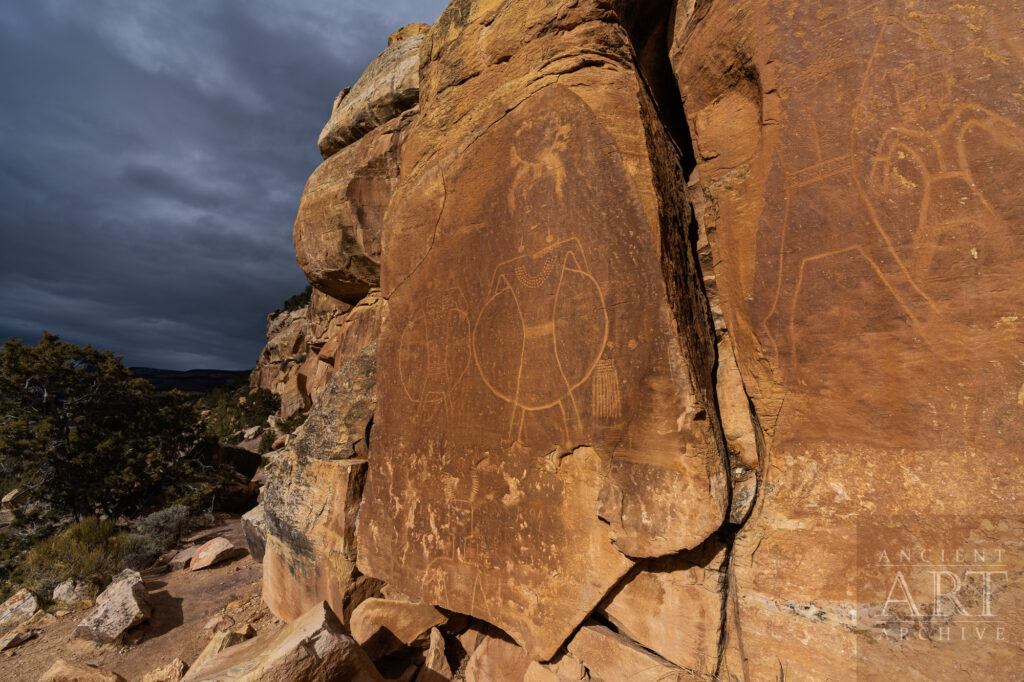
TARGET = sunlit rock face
(697,333)
(861,174)
(545,397)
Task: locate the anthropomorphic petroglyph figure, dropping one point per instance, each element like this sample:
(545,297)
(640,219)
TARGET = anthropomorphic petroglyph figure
(434,354)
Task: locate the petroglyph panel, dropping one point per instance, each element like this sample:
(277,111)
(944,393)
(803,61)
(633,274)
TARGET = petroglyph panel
(559,400)
(868,232)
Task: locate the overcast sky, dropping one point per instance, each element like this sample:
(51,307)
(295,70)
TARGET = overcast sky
(152,155)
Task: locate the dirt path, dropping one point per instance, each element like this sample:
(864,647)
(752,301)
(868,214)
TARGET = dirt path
(182,601)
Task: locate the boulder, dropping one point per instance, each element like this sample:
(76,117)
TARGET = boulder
(215,551)
(610,657)
(313,647)
(219,642)
(17,609)
(16,639)
(71,591)
(120,607)
(497,659)
(860,173)
(63,671)
(182,559)
(564,668)
(172,672)
(312,497)
(14,499)
(337,230)
(435,664)
(382,626)
(546,387)
(674,607)
(388,86)
(254,525)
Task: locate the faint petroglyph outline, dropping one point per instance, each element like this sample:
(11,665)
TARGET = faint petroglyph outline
(436,306)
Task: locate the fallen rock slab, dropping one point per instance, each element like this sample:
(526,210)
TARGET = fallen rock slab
(216,551)
(613,658)
(62,671)
(18,609)
(182,559)
(382,626)
(435,665)
(497,659)
(219,642)
(120,607)
(313,647)
(172,672)
(254,525)
(15,639)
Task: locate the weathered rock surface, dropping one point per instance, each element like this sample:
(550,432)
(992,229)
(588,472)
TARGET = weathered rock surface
(215,551)
(71,591)
(172,672)
(219,642)
(565,668)
(63,671)
(861,176)
(120,607)
(254,525)
(312,648)
(547,406)
(182,559)
(497,659)
(610,657)
(388,86)
(16,639)
(435,664)
(335,338)
(338,227)
(17,609)
(674,606)
(281,359)
(382,626)
(312,498)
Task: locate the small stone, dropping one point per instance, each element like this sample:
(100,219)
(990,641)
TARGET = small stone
(183,558)
(172,672)
(62,671)
(16,638)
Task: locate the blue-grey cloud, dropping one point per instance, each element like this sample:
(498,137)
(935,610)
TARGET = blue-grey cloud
(153,157)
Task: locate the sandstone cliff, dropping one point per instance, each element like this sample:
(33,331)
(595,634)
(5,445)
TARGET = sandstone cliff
(657,333)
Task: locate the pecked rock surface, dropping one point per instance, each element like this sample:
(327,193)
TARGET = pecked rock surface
(546,407)
(688,321)
(860,171)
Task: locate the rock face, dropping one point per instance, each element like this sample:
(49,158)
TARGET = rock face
(18,609)
(313,647)
(120,607)
(549,408)
(282,358)
(254,525)
(695,319)
(389,86)
(216,551)
(312,498)
(860,174)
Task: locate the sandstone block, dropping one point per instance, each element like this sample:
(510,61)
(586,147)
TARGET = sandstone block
(17,609)
(216,551)
(435,665)
(63,671)
(71,591)
(382,626)
(182,559)
(254,525)
(388,86)
(172,672)
(313,647)
(613,658)
(120,607)
(497,659)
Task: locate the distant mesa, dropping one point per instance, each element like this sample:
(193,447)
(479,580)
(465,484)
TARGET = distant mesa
(191,381)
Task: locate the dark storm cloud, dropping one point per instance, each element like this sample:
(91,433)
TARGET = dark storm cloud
(153,155)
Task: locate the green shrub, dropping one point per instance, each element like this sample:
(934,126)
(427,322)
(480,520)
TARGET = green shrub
(164,527)
(293,422)
(88,550)
(228,413)
(267,441)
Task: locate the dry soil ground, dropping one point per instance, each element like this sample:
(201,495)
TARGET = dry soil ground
(183,602)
